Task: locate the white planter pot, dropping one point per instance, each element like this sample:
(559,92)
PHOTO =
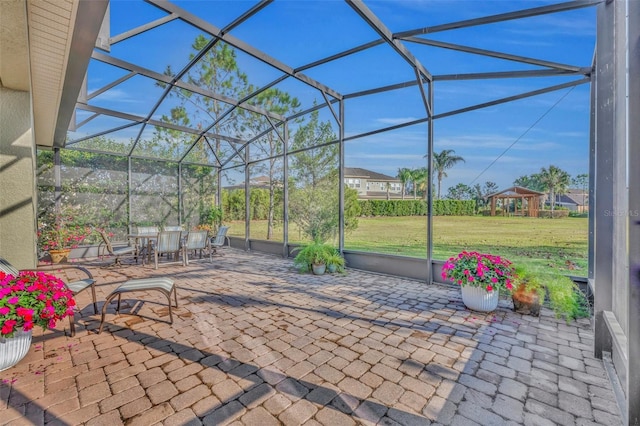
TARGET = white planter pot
(479,299)
(13,349)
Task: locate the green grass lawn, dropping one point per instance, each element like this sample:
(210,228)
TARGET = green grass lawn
(538,244)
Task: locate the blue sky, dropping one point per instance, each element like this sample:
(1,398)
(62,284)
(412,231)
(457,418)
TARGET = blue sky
(548,129)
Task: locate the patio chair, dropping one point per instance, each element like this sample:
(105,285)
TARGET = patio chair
(129,250)
(168,242)
(220,238)
(75,286)
(196,240)
(144,243)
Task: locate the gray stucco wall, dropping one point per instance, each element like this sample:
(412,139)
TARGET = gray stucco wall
(17,180)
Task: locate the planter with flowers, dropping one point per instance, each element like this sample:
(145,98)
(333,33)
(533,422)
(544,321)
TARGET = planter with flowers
(59,238)
(28,300)
(481,278)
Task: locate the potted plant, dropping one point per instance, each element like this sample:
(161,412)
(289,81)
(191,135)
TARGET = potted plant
(563,295)
(28,300)
(313,257)
(481,278)
(58,238)
(528,292)
(213,218)
(335,262)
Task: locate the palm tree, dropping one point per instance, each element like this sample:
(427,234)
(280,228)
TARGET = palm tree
(442,161)
(404,175)
(419,178)
(555,181)
(582,181)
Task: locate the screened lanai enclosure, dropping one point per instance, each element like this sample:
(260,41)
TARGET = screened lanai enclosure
(382,127)
(189,109)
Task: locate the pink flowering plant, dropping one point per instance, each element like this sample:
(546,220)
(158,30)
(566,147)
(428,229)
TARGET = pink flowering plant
(59,235)
(479,270)
(32,299)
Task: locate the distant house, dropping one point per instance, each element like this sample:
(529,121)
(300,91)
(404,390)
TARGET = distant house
(370,184)
(575,200)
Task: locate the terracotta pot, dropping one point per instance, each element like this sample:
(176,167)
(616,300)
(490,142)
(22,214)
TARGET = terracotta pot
(526,302)
(59,256)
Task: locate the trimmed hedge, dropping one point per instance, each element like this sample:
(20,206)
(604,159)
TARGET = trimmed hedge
(416,207)
(556,213)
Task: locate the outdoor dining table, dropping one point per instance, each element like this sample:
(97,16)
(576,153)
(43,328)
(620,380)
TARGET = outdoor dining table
(150,236)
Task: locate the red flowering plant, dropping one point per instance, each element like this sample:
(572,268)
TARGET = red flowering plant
(479,270)
(32,299)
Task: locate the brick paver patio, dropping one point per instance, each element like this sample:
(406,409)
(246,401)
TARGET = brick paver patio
(255,343)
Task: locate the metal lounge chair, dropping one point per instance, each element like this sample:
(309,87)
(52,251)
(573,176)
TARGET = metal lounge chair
(196,240)
(75,286)
(220,238)
(129,250)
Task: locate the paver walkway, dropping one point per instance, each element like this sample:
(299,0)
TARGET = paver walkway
(255,343)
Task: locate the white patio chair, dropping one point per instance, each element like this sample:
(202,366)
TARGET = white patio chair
(196,240)
(145,243)
(220,238)
(168,242)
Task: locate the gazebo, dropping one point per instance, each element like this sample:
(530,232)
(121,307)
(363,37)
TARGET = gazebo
(530,200)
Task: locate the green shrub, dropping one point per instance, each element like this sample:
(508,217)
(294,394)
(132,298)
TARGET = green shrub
(337,260)
(556,213)
(370,208)
(565,298)
(315,253)
(561,293)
